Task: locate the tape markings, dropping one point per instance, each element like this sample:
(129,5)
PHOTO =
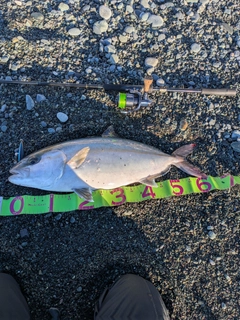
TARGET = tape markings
(104,198)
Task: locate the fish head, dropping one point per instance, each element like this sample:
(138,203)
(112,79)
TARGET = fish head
(39,170)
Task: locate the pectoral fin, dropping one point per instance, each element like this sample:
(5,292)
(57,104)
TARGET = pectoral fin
(78,158)
(84,193)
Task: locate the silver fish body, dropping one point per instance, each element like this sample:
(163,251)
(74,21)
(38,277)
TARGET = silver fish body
(97,163)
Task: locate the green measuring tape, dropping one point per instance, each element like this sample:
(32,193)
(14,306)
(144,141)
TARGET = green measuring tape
(105,198)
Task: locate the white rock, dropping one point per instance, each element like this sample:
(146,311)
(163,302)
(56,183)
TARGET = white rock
(150,71)
(37,16)
(105,12)
(100,27)
(130,29)
(40,98)
(160,82)
(145,4)
(74,31)
(144,16)
(63,6)
(114,59)
(123,39)
(110,48)
(151,62)
(29,102)
(62,117)
(236,134)
(156,21)
(212,235)
(195,47)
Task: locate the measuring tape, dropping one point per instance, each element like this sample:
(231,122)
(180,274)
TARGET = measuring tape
(105,198)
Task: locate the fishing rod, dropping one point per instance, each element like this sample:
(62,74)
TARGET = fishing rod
(131,97)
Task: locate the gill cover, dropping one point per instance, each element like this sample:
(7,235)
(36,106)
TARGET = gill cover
(39,170)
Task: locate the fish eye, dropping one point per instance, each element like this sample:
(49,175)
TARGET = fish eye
(33,160)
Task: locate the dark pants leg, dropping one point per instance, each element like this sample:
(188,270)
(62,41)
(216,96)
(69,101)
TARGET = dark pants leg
(13,305)
(131,297)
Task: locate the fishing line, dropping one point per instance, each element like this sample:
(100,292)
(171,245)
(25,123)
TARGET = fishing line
(109,198)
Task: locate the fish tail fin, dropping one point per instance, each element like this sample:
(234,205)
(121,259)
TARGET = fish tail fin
(184,165)
(184,151)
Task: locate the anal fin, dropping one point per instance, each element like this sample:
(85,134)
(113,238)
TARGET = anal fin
(84,193)
(150,180)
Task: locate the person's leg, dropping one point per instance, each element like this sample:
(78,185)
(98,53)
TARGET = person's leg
(13,305)
(131,297)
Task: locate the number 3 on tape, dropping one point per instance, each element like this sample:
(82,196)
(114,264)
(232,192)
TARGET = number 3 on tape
(120,195)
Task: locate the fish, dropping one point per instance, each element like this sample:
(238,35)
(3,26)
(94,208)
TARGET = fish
(107,162)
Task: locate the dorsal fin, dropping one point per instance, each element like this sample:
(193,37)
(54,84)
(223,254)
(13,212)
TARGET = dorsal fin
(78,158)
(110,133)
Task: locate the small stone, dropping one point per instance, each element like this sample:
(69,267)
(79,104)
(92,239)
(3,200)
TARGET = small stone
(123,39)
(212,235)
(155,21)
(105,12)
(79,289)
(58,217)
(63,6)
(51,130)
(183,125)
(130,29)
(227,28)
(3,107)
(24,233)
(29,102)
(236,146)
(227,277)
(43,124)
(114,59)
(14,66)
(37,16)
(212,122)
(83,97)
(217,64)
(110,48)
(74,32)
(160,82)
(145,4)
(151,62)
(150,71)
(212,262)
(144,16)
(100,27)
(72,220)
(195,47)
(40,98)
(209,228)
(4,128)
(236,134)
(161,37)
(4,59)
(223,305)
(129,9)
(62,117)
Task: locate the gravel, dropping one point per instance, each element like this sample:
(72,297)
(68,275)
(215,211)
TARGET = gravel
(190,44)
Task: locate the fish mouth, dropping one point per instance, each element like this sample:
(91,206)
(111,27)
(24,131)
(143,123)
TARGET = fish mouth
(20,173)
